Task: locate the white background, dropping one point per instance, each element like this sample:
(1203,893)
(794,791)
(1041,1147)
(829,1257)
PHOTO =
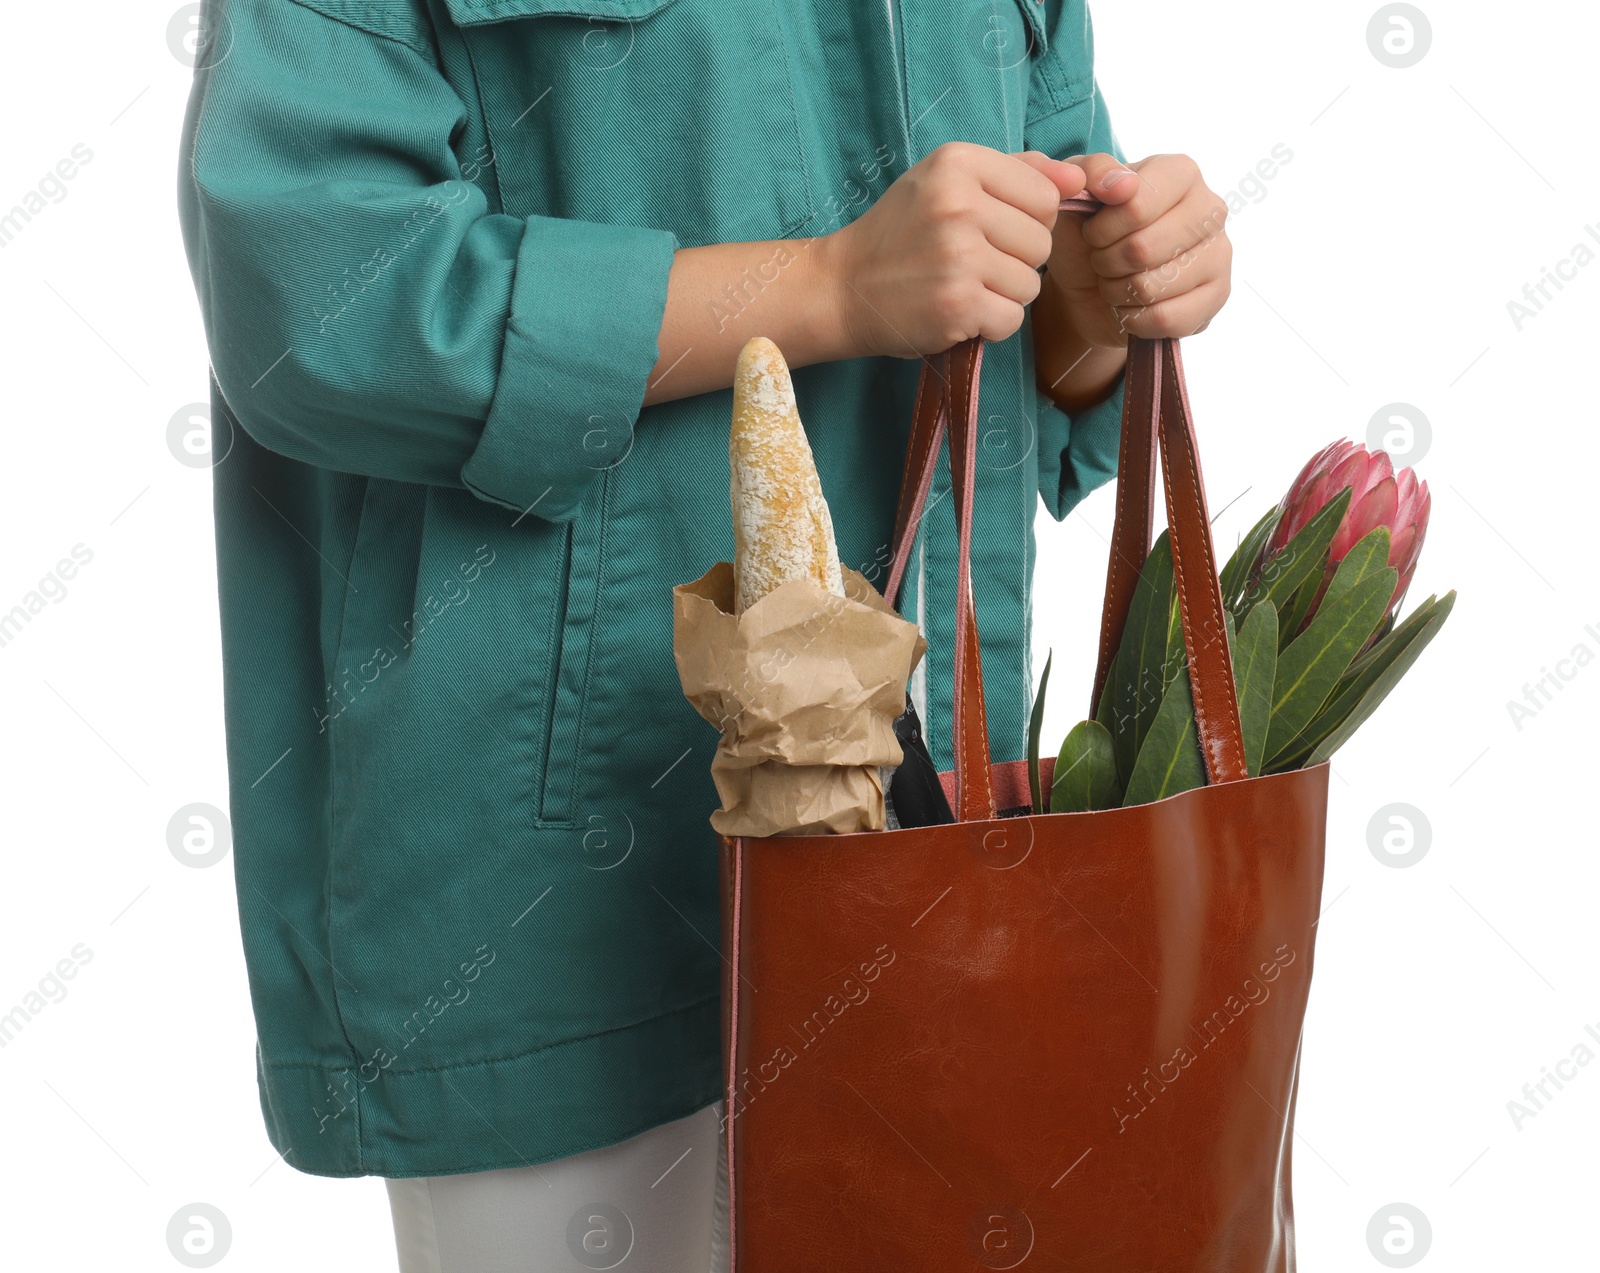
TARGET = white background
(1374,267)
(1377,268)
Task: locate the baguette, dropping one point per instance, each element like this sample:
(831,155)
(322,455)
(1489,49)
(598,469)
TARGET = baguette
(781,526)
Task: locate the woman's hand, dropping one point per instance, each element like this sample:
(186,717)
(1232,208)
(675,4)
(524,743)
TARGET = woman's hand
(951,250)
(1155,262)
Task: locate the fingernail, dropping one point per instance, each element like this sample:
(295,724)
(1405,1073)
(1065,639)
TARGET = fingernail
(1111,178)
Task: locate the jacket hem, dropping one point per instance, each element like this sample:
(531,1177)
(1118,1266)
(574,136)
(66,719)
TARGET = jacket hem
(518,1111)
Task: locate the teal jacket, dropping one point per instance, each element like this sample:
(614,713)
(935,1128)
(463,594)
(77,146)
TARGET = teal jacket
(430,240)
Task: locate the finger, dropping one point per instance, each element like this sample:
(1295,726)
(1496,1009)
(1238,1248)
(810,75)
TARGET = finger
(999,317)
(1179,316)
(1015,280)
(1021,185)
(1069,178)
(1196,221)
(1163,181)
(1017,234)
(1186,270)
(1107,178)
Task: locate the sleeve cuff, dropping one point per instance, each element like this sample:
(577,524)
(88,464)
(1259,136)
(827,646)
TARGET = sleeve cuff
(1077,451)
(587,302)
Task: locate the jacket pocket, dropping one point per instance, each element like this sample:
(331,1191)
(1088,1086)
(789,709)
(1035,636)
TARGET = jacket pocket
(1016,33)
(564,737)
(672,114)
(1033,18)
(1062,69)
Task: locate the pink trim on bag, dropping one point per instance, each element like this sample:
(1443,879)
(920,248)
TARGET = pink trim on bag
(902,552)
(1010,783)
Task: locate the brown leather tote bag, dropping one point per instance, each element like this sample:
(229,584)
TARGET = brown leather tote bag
(1065,1042)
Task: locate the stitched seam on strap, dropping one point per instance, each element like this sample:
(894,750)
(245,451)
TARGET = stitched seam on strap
(1109,658)
(971,367)
(1116,521)
(1201,717)
(958,661)
(961,739)
(983,715)
(1195,691)
(972,601)
(1211,596)
(898,568)
(919,510)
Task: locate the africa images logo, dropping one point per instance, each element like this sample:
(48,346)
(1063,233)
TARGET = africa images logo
(1142,1093)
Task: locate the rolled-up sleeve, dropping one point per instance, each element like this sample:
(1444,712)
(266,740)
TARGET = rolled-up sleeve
(586,307)
(1067,116)
(364,308)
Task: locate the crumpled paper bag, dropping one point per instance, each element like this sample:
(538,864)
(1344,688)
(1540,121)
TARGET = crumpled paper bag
(805,687)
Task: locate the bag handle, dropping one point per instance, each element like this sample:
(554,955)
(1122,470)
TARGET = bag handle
(1156,406)
(1155,410)
(951,376)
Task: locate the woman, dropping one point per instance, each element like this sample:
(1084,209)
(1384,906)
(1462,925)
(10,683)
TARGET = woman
(474,275)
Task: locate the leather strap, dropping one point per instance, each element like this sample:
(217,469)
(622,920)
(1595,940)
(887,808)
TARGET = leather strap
(928,419)
(1136,493)
(1200,614)
(951,377)
(1155,409)
(974,788)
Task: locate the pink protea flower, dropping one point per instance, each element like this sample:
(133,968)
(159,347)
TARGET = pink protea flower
(1380,497)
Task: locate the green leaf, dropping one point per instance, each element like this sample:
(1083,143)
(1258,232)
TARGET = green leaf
(1035,726)
(1235,575)
(1294,613)
(1169,760)
(1360,674)
(1176,655)
(1368,554)
(1383,638)
(1137,676)
(1384,629)
(1359,679)
(1255,663)
(1384,681)
(1311,664)
(1300,559)
(1086,771)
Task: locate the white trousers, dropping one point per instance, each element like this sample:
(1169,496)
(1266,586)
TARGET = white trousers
(657,1203)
